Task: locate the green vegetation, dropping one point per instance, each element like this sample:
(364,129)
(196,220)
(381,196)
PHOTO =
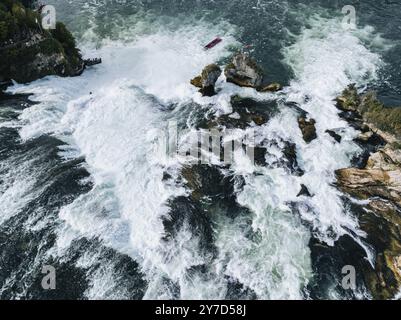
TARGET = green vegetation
(15,19)
(349,100)
(28,52)
(384,118)
(67,41)
(372,110)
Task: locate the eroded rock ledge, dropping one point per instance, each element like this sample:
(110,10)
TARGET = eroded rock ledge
(378,182)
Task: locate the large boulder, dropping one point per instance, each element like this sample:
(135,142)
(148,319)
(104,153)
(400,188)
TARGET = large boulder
(207,80)
(244,71)
(368,183)
(28,52)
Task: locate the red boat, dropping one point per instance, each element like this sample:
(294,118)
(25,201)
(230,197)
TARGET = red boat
(213,43)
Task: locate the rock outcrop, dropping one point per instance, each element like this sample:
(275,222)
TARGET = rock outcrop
(304,192)
(28,52)
(273,87)
(379,183)
(207,80)
(308,128)
(334,135)
(244,71)
(379,118)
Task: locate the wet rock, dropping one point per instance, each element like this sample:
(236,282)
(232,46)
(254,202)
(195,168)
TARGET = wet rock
(273,87)
(283,154)
(378,180)
(308,129)
(207,181)
(381,220)
(187,212)
(290,153)
(244,71)
(260,156)
(246,112)
(304,191)
(334,135)
(370,142)
(207,80)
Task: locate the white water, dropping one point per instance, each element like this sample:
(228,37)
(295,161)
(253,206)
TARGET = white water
(115,127)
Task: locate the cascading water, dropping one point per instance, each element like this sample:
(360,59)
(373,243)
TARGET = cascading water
(101,128)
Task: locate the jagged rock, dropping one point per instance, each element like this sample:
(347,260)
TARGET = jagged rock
(273,87)
(349,100)
(304,191)
(28,52)
(207,181)
(382,223)
(308,129)
(244,72)
(387,159)
(365,136)
(378,180)
(207,80)
(287,159)
(367,183)
(334,135)
(383,120)
(260,156)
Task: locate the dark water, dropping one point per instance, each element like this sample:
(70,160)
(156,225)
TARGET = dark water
(26,245)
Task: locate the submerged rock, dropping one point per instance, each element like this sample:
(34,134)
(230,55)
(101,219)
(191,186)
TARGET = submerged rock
(28,52)
(244,72)
(334,135)
(304,191)
(207,80)
(308,128)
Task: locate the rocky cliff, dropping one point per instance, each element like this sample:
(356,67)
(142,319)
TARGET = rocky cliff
(378,182)
(28,52)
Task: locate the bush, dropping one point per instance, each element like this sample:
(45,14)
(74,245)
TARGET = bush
(384,118)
